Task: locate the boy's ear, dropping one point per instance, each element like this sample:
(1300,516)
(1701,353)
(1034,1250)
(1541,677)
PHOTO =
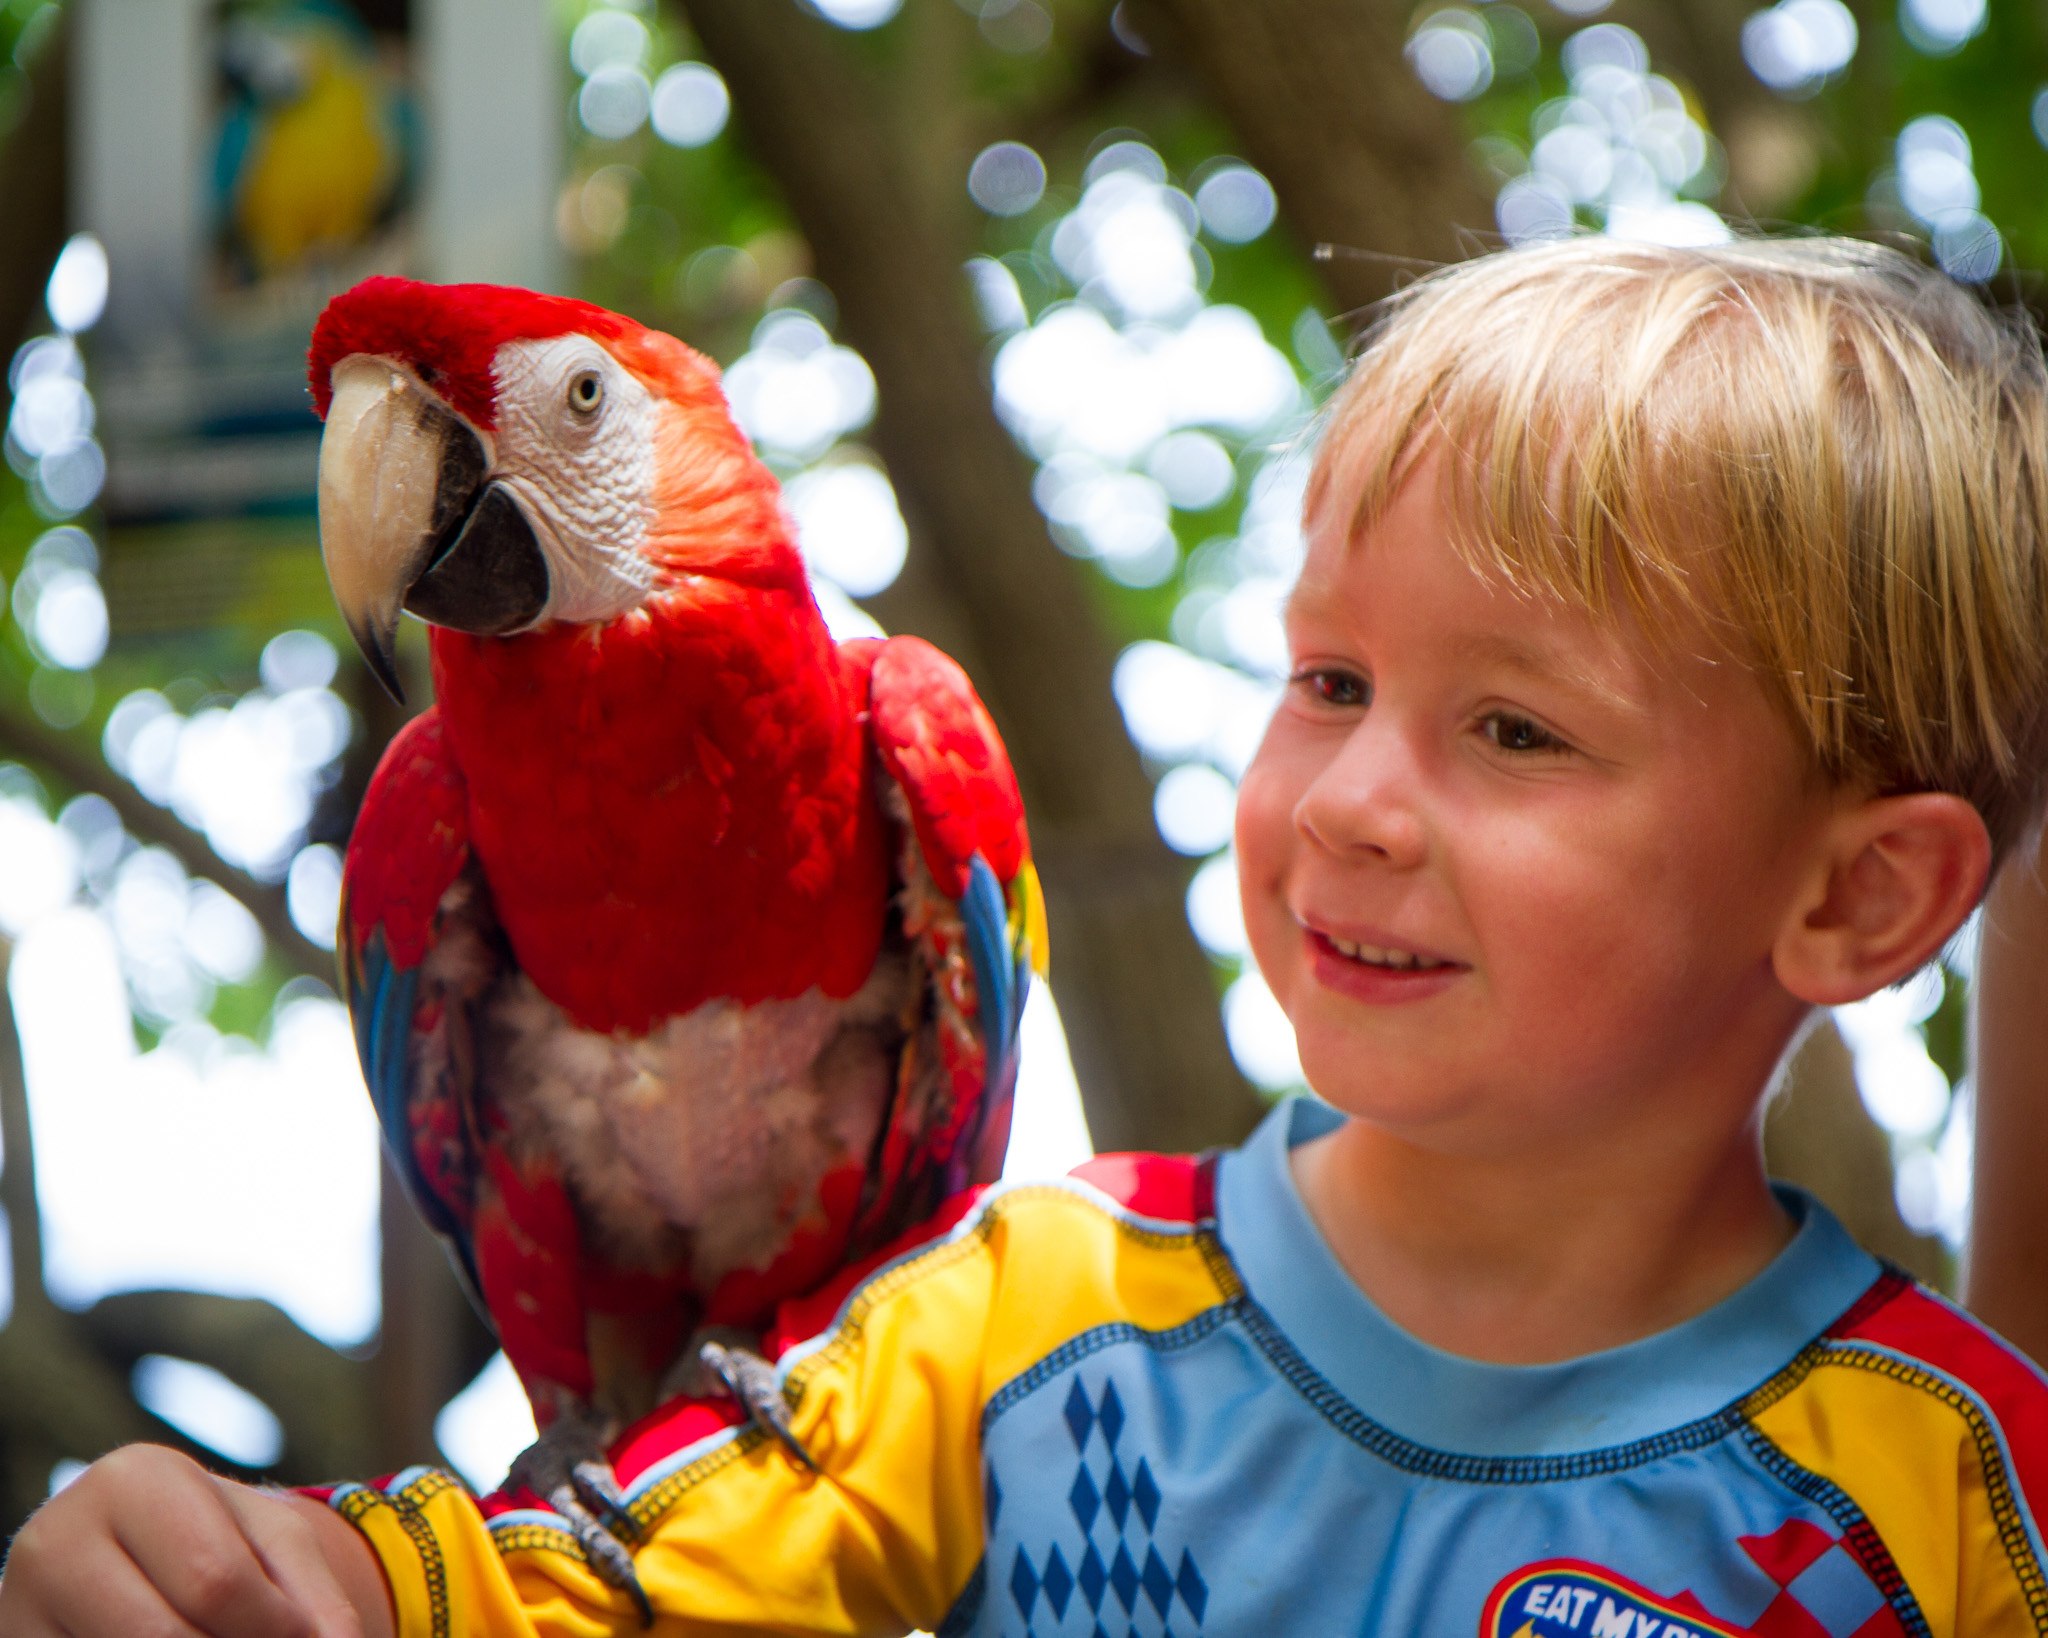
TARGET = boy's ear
(1895,877)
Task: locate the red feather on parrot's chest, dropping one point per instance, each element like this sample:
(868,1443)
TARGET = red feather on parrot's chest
(673,808)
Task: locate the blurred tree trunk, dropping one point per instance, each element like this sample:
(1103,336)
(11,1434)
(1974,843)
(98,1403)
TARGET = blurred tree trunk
(1137,994)
(33,181)
(1323,101)
(1818,1135)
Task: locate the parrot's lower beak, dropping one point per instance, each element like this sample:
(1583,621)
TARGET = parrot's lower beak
(410,520)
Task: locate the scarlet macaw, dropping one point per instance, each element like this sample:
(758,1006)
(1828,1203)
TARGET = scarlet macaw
(685,947)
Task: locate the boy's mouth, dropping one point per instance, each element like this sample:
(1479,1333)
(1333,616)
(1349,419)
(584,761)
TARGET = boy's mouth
(1374,955)
(1387,957)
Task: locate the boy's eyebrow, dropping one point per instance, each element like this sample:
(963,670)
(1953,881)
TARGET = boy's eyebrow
(1544,663)
(1541,662)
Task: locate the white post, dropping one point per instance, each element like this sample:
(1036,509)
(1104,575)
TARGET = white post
(139,131)
(494,89)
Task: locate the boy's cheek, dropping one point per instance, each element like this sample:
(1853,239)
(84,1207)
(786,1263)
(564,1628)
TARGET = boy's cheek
(1265,811)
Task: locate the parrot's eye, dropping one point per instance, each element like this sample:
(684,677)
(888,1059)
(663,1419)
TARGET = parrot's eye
(586,391)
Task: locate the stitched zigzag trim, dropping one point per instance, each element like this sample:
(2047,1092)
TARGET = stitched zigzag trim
(1859,1535)
(405,1500)
(2006,1512)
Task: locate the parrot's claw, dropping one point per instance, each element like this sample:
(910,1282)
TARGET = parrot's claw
(751,1380)
(567,1466)
(590,1501)
(597,1487)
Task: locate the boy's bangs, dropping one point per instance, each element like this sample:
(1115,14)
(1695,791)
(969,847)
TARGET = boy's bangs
(1548,472)
(1791,450)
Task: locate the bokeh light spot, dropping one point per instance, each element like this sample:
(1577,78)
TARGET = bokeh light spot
(1795,46)
(1941,27)
(71,620)
(1195,470)
(1968,247)
(297,659)
(1006,179)
(849,526)
(313,893)
(1261,1038)
(690,105)
(613,103)
(1216,909)
(77,291)
(1452,54)
(1020,27)
(1194,807)
(205,1405)
(857,14)
(608,39)
(1237,204)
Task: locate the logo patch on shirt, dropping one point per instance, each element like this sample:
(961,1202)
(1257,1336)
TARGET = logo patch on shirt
(1567,1598)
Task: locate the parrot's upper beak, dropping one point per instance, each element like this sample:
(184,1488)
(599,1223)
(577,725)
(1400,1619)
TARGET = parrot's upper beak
(410,520)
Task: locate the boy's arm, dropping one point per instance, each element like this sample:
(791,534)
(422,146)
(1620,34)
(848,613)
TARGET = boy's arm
(147,1542)
(884,1372)
(2005,1278)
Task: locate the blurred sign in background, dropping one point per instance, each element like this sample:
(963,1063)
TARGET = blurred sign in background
(1015,295)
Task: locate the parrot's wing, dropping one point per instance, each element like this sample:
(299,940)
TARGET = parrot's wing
(423,957)
(971,909)
(403,887)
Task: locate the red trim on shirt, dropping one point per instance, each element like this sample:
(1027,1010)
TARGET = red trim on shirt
(1173,1188)
(1951,1342)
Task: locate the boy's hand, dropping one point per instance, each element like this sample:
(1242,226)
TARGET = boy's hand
(147,1544)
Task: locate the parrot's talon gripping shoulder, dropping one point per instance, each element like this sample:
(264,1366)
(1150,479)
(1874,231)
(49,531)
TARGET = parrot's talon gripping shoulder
(593,1529)
(597,1487)
(751,1380)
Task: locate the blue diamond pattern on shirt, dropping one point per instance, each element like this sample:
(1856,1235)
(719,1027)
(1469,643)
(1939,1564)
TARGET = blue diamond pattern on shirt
(1085,1500)
(1193,1590)
(1123,1576)
(1118,1494)
(1093,1578)
(1024,1584)
(1080,1414)
(1111,1414)
(1146,1494)
(1058,1582)
(1157,1583)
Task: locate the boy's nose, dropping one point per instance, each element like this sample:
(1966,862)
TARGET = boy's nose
(1368,799)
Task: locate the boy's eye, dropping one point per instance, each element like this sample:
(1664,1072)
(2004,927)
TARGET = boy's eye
(1520,735)
(1330,687)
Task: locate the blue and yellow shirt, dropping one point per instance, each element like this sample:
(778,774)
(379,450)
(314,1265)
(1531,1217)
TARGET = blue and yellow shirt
(1147,1401)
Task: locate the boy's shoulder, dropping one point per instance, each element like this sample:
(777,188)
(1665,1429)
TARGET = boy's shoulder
(1912,1373)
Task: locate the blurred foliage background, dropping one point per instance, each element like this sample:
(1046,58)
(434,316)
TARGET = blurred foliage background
(1030,303)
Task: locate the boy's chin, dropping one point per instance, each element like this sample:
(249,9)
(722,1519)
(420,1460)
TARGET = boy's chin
(1408,1101)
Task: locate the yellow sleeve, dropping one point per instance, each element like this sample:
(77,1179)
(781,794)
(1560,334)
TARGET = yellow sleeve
(1929,1428)
(887,1397)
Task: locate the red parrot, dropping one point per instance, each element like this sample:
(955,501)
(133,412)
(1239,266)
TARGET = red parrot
(685,947)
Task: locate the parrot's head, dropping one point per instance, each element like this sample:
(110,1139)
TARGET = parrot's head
(496,460)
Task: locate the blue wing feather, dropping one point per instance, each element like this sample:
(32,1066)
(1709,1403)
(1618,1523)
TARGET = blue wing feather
(999,977)
(383,1022)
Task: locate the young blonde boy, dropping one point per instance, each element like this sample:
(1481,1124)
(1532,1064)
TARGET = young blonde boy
(1669,660)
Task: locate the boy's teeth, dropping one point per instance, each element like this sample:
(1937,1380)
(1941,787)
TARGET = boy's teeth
(1375,955)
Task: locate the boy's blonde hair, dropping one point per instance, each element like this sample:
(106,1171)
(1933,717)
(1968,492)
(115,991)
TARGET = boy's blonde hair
(1830,453)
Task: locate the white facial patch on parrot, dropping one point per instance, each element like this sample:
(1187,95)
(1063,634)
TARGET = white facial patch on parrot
(575,446)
